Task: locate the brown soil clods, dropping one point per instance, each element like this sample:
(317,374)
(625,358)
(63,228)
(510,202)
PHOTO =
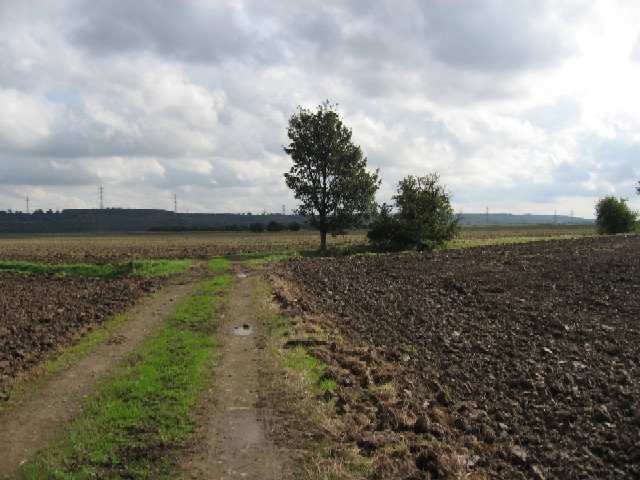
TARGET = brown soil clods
(516,361)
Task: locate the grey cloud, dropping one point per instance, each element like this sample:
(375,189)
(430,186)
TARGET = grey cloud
(171,29)
(615,160)
(570,173)
(524,190)
(635,53)
(134,79)
(562,114)
(43,171)
(503,36)
(453,52)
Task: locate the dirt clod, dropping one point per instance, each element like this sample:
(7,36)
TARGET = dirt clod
(524,357)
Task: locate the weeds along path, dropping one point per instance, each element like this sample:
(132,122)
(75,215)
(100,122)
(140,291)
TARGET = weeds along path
(29,426)
(234,443)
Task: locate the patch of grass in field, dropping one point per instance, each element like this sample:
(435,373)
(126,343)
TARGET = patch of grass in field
(139,419)
(303,363)
(296,384)
(218,265)
(159,268)
(142,268)
(477,236)
(259,259)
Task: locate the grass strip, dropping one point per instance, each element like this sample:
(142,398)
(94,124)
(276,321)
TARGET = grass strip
(135,424)
(297,384)
(142,268)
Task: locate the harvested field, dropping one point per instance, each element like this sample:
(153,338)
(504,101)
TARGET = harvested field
(101,249)
(516,361)
(39,313)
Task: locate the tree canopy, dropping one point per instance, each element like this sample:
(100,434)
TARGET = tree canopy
(329,175)
(614,216)
(424,217)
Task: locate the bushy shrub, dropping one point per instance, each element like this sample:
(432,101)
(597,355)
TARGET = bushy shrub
(614,216)
(424,218)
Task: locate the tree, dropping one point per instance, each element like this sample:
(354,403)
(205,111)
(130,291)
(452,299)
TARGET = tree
(614,216)
(424,218)
(329,173)
(257,227)
(294,226)
(638,188)
(274,226)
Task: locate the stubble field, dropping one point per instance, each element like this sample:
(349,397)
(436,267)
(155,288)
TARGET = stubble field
(101,249)
(514,361)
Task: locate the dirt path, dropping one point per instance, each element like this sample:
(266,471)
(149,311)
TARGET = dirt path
(234,442)
(28,427)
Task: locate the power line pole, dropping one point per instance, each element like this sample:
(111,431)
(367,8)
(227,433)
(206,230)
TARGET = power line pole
(27,199)
(487,214)
(101,195)
(175,203)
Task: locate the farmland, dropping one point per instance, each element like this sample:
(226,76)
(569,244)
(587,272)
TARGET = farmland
(42,313)
(514,361)
(510,359)
(100,249)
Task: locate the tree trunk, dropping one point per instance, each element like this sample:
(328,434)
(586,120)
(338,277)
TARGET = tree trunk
(323,242)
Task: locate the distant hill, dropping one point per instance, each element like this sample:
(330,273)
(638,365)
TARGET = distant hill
(111,220)
(471,219)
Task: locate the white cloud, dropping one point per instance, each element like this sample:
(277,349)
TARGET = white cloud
(520,106)
(25,120)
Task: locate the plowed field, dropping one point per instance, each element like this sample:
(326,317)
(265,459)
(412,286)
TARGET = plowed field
(39,313)
(519,361)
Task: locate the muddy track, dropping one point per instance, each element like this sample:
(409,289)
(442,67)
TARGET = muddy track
(233,440)
(28,427)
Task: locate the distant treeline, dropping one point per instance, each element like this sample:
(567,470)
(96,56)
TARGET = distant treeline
(272,226)
(138,220)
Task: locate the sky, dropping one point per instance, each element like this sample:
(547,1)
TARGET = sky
(520,106)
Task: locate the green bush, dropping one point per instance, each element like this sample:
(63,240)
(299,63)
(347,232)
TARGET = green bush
(424,220)
(614,216)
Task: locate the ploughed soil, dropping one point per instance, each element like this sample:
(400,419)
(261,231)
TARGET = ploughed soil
(28,425)
(518,361)
(41,313)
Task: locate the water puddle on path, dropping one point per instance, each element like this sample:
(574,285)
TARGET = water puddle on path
(243,275)
(243,330)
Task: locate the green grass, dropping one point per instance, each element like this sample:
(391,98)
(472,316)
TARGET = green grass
(507,234)
(303,363)
(136,423)
(299,387)
(142,268)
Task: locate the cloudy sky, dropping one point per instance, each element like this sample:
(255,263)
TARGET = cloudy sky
(521,106)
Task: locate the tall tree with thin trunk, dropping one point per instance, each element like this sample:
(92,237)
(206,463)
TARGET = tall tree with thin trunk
(329,175)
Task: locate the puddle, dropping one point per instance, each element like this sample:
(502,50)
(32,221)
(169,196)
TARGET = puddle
(243,330)
(243,275)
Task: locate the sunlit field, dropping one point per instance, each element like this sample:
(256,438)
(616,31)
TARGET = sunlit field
(117,248)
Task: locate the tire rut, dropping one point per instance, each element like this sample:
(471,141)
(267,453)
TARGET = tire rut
(29,426)
(234,441)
